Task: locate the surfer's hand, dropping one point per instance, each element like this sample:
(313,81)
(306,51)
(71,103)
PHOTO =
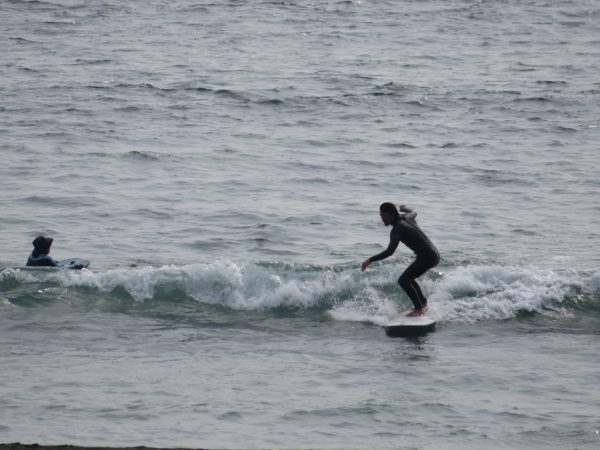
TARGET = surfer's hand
(402,207)
(365,264)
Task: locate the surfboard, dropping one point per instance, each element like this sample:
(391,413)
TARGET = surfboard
(73,263)
(402,326)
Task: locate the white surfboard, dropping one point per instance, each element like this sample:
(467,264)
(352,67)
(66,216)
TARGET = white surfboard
(402,326)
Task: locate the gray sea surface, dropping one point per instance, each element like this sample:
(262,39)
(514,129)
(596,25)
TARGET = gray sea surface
(221,163)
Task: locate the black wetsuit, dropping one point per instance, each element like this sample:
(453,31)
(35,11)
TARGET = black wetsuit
(406,230)
(37,259)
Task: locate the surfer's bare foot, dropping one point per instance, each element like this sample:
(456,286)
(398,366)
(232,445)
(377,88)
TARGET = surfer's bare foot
(416,312)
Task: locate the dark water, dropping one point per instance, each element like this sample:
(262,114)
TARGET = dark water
(221,164)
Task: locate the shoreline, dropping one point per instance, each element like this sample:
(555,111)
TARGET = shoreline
(19,446)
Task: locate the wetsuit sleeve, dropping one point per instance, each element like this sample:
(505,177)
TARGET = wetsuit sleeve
(393,245)
(409,213)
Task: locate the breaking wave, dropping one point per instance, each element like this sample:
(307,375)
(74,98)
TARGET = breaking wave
(467,293)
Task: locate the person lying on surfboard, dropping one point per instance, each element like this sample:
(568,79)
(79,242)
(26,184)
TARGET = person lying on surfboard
(40,257)
(406,230)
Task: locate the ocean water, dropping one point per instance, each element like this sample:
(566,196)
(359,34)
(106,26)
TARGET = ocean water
(221,163)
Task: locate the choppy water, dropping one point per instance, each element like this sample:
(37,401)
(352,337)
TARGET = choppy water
(221,164)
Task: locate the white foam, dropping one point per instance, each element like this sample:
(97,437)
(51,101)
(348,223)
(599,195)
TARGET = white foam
(594,282)
(235,285)
(367,305)
(474,292)
(469,293)
(8,273)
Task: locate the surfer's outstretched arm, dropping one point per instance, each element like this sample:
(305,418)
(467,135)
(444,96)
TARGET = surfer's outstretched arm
(393,245)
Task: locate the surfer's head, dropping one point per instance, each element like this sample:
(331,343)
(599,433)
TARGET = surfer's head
(388,213)
(42,244)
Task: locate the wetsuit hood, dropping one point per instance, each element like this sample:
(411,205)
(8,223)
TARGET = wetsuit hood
(41,244)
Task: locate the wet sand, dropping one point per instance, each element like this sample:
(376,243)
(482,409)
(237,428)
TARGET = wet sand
(19,446)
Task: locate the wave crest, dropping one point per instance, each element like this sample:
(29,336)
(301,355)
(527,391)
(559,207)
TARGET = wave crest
(459,293)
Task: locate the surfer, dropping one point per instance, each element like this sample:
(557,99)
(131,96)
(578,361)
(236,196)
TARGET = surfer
(40,257)
(406,230)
